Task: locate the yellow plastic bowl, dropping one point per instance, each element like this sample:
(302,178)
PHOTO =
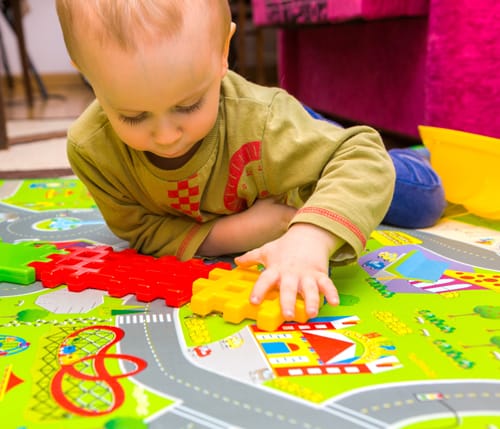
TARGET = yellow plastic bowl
(469,166)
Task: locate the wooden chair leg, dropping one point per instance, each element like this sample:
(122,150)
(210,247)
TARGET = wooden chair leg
(4,142)
(242,11)
(241,37)
(18,28)
(259,56)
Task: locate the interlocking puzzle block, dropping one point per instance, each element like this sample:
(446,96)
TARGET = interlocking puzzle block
(125,272)
(15,260)
(228,292)
(78,261)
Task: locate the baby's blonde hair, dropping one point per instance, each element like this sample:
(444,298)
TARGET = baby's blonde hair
(125,22)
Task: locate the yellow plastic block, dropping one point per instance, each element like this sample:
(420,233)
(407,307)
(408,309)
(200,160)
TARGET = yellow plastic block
(228,292)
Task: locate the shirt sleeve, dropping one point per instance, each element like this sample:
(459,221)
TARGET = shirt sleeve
(344,177)
(147,230)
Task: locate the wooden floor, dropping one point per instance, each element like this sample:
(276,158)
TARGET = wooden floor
(66,97)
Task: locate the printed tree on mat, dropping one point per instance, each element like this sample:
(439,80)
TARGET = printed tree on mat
(348,300)
(494,342)
(485,311)
(29,315)
(125,423)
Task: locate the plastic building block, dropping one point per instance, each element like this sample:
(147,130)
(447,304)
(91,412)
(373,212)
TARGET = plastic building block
(125,272)
(15,260)
(228,292)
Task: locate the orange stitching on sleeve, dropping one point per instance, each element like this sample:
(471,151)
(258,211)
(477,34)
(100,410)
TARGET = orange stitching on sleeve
(337,218)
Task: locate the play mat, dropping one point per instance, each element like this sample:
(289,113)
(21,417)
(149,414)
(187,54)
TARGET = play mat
(414,343)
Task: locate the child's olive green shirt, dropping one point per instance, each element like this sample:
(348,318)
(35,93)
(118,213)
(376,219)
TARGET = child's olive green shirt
(264,143)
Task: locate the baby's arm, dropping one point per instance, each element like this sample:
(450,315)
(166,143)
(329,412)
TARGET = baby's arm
(297,262)
(264,221)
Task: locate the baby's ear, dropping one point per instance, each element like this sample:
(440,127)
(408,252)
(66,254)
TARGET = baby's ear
(225,53)
(84,78)
(75,66)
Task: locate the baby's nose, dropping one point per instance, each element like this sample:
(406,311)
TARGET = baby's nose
(167,132)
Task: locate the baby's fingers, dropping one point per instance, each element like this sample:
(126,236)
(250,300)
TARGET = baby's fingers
(252,257)
(268,279)
(310,294)
(329,290)
(288,295)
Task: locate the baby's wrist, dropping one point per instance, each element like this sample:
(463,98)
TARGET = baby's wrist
(321,238)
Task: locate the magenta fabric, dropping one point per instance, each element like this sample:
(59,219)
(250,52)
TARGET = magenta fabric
(359,71)
(462,80)
(278,12)
(440,69)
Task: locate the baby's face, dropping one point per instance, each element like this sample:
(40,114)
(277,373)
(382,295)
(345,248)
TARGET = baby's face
(163,99)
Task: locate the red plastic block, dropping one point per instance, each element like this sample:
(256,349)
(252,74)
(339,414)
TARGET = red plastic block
(125,272)
(76,262)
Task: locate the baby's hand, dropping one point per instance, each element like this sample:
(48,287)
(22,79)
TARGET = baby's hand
(297,262)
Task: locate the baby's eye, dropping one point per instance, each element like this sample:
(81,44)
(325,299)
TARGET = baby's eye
(133,120)
(189,109)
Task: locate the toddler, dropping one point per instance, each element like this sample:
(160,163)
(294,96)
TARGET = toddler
(184,157)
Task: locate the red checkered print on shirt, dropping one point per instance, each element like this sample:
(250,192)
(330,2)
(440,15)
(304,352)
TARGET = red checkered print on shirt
(185,198)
